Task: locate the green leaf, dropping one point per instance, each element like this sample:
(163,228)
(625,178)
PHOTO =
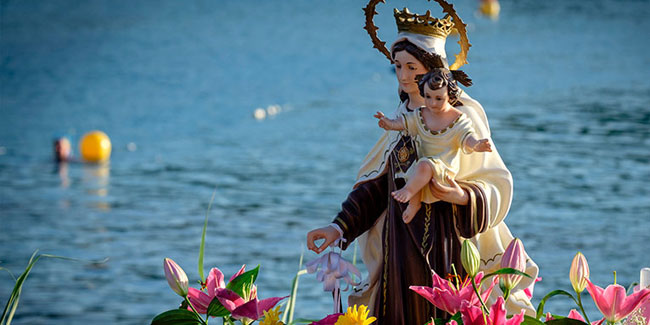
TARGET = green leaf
(5,269)
(205,227)
(540,307)
(291,304)
(217,309)
(458,318)
(14,298)
(630,288)
(565,321)
(506,270)
(531,321)
(176,317)
(243,283)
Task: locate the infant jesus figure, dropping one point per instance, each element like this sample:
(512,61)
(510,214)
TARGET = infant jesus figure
(442,131)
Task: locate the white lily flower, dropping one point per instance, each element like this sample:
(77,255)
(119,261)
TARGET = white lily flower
(332,268)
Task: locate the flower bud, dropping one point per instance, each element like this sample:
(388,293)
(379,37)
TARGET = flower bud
(514,257)
(176,277)
(470,258)
(579,273)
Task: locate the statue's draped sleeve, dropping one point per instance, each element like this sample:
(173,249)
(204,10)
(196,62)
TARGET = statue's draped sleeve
(473,218)
(362,208)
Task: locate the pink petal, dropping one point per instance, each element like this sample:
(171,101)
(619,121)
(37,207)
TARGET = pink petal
(498,312)
(574,314)
(528,293)
(632,302)
(199,300)
(478,277)
(214,281)
(328,320)
(471,315)
(229,299)
(614,296)
(439,282)
(446,301)
(597,294)
(425,292)
(247,310)
(467,292)
(240,272)
(268,303)
(549,316)
(598,322)
(516,319)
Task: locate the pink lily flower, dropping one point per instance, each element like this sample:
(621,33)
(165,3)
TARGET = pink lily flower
(472,315)
(176,277)
(214,285)
(613,302)
(445,295)
(253,309)
(249,309)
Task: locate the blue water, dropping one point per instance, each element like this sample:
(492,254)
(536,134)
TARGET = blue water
(174,84)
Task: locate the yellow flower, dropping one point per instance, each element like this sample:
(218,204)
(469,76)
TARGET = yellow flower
(356,317)
(272,317)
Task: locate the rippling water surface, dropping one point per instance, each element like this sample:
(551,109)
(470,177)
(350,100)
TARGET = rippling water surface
(564,83)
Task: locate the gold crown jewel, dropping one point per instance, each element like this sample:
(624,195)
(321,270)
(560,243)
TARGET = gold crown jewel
(461,58)
(423,24)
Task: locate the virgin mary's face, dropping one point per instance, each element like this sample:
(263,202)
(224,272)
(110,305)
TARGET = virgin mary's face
(406,68)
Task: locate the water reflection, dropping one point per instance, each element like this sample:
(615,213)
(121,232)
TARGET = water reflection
(96,181)
(62,170)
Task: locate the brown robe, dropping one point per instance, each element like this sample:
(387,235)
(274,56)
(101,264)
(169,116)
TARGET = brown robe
(411,251)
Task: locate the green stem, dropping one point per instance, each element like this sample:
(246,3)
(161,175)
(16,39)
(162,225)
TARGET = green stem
(204,322)
(483,306)
(582,309)
(455,276)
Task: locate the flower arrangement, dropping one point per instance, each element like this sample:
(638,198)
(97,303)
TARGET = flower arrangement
(466,304)
(463,299)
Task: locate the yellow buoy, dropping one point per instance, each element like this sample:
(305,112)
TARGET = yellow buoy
(491,9)
(95,146)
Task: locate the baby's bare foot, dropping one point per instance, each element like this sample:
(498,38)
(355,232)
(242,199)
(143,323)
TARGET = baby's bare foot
(410,212)
(403,195)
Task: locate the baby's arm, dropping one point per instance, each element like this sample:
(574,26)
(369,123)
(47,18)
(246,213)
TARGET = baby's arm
(472,144)
(389,124)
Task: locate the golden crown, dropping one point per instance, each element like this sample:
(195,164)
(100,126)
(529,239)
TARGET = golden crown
(423,24)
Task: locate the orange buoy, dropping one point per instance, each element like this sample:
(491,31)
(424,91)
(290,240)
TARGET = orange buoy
(95,146)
